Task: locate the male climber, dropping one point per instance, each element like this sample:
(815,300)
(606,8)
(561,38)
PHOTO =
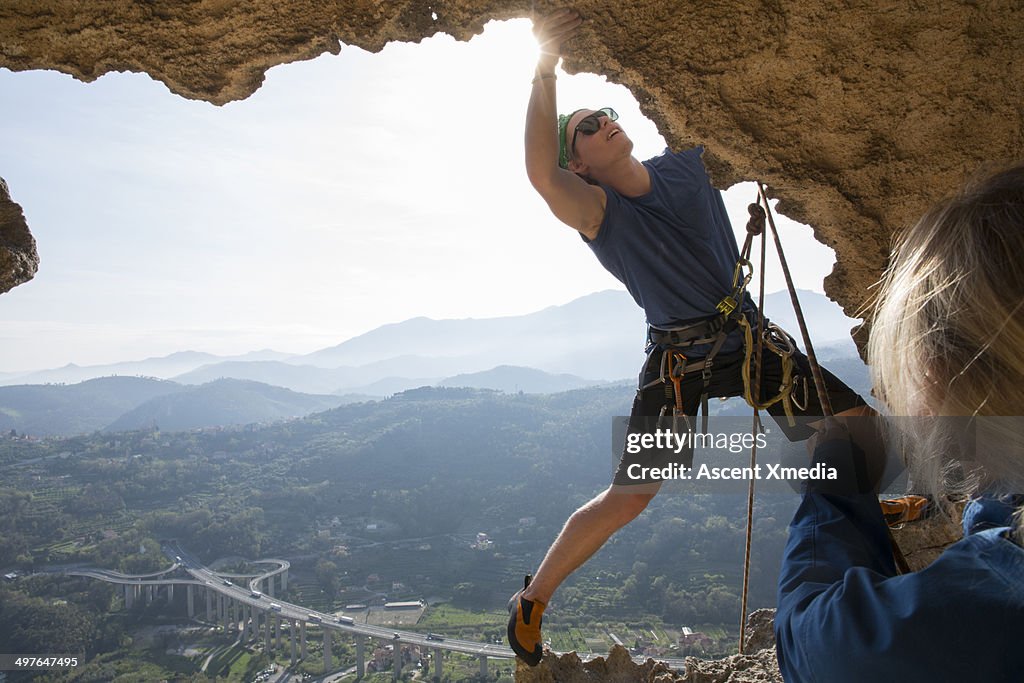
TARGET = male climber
(660,228)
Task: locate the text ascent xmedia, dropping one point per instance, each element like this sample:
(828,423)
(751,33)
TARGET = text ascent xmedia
(678,471)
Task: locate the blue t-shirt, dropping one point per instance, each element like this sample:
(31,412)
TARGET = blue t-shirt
(844,614)
(673,248)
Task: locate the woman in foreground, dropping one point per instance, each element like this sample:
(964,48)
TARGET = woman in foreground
(947,348)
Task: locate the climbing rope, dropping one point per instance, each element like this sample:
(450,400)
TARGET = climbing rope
(755,226)
(812,359)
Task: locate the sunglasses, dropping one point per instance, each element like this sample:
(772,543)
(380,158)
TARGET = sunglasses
(590,124)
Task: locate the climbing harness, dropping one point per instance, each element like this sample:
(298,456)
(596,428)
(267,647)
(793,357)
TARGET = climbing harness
(675,365)
(714,331)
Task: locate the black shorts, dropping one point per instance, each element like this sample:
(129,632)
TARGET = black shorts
(726,381)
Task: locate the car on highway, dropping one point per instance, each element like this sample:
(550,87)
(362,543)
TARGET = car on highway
(345,620)
(276,607)
(228,583)
(255,594)
(434,636)
(314,617)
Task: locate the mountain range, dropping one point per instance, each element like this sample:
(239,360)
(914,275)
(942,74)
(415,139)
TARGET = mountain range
(126,403)
(595,339)
(164,367)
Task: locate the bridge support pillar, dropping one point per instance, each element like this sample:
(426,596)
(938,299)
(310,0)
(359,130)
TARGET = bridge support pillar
(266,632)
(270,586)
(170,593)
(483,667)
(190,604)
(396,668)
(246,616)
(284,580)
(129,595)
(328,660)
(302,632)
(294,633)
(149,594)
(209,604)
(438,663)
(360,656)
(277,632)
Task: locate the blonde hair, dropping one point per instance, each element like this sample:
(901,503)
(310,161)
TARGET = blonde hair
(947,335)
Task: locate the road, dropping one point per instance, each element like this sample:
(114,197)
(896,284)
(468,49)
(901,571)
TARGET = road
(217,582)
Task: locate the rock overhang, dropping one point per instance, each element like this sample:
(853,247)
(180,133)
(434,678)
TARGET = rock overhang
(856,116)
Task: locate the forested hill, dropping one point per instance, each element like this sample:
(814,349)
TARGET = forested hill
(123,403)
(76,408)
(433,466)
(222,402)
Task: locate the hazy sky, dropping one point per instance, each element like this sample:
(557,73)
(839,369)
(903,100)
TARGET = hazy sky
(349,191)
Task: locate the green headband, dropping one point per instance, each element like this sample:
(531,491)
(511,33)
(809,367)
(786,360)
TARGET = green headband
(563,143)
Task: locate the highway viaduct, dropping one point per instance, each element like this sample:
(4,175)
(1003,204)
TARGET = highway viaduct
(254,609)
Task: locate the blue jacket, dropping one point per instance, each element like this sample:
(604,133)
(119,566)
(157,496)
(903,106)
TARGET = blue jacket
(844,615)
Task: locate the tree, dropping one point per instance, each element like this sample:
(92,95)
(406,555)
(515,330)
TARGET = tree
(327,576)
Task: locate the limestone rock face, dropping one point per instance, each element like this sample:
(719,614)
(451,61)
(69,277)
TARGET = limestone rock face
(759,665)
(618,667)
(923,540)
(857,114)
(19,260)
(760,630)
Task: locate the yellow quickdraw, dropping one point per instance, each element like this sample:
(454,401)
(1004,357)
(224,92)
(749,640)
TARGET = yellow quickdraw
(729,303)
